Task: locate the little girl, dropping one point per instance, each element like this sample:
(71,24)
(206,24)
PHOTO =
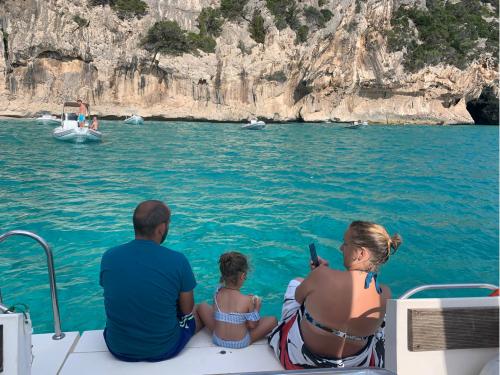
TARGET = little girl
(234,317)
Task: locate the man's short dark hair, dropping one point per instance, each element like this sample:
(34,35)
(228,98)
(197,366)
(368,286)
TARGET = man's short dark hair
(148,215)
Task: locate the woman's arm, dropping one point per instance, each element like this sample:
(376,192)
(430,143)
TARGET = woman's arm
(305,287)
(307,284)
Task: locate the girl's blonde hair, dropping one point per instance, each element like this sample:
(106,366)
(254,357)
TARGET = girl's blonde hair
(375,238)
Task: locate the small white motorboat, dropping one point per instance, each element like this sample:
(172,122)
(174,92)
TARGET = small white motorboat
(48,119)
(71,131)
(134,120)
(254,125)
(356,125)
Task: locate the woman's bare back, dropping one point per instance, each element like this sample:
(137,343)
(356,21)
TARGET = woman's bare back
(338,300)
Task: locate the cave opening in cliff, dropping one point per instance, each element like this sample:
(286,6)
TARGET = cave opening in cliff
(484,109)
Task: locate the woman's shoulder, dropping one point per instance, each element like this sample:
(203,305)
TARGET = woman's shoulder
(323,273)
(324,278)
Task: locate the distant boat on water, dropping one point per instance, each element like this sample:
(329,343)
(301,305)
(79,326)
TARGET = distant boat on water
(356,125)
(134,120)
(70,129)
(254,125)
(48,119)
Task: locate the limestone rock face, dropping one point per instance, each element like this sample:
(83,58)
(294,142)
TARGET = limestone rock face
(343,72)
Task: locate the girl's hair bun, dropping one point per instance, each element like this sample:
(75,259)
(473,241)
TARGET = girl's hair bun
(231,266)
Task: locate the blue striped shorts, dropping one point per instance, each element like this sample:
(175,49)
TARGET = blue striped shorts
(232,344)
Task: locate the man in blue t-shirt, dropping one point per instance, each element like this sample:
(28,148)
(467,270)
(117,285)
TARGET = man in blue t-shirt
(148,292)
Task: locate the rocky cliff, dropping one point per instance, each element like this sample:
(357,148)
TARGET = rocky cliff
(343,72)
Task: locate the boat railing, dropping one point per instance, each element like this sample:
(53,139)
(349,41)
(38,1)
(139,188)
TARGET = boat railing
(58,334)
(323,371)
(4,309)
(418,289)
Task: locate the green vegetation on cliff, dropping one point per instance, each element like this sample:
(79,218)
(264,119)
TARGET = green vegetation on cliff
(166,37)
(81,22)
(202,42)
(301,34)
(287,13)
(278,76)
(124,8)
(169,38)
(210,22)
(445,32)
(317,17)
(256,27)
(130,8)
(232,9)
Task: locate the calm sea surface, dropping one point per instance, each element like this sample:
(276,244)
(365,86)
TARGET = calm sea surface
(265,193)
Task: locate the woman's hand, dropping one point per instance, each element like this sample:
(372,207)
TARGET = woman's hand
(322,262)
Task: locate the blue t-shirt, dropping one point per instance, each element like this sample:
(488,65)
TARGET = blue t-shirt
(142,282)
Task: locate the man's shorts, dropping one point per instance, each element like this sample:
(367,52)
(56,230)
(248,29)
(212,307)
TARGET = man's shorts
(188,329)
(81,117)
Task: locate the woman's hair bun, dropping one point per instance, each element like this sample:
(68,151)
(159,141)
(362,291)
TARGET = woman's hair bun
(396,241)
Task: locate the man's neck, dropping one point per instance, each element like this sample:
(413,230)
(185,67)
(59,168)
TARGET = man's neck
(142,238)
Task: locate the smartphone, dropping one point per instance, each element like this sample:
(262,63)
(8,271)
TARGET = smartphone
(314,255)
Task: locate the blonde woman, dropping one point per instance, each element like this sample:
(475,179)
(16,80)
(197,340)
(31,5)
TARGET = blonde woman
(335,318)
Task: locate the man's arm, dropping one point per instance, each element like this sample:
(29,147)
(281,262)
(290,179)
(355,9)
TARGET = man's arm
(186,302)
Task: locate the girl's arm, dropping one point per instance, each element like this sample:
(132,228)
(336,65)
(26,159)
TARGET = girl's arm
(206,314)
(254,305)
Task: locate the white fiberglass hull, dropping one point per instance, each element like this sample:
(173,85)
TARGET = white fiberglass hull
(254,125)
(48,121)
(77,135)
(134,120)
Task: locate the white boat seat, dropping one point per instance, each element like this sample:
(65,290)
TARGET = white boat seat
(200,356)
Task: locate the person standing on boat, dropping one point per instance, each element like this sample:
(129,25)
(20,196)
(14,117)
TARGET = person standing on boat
(148,292)
(335,318)
(82,113)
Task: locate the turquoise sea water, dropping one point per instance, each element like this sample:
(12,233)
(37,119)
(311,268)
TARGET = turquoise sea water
(265,193)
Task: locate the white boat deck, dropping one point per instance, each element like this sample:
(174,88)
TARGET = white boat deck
(48,354)
(201,356)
